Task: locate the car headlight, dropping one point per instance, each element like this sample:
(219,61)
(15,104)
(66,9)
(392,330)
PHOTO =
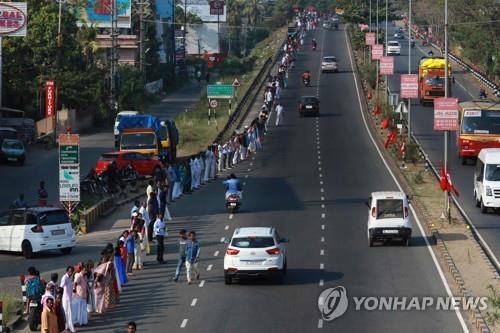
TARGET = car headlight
(488,191)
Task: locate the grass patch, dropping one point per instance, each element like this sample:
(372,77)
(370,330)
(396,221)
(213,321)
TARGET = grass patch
(10,306)
(195,132)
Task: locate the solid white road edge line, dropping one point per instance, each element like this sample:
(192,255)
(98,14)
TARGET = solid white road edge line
(434,259)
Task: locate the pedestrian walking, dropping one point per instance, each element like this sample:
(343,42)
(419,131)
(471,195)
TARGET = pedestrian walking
(198,77)
(131,327)
(67,285)
(181,260)
(79,310)
(147,221)
(279,113)
(42,195)
(130,244)
(49,317)
(153,211)
(192,257)
(160,231)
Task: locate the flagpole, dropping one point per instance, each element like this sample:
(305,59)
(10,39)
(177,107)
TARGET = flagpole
(409,69)
(446,93)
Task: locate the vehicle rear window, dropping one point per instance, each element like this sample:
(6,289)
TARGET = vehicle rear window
(12,145)
(252,242)
(393,44)
(310,100)
(329,59)
(53,218)
(389,208)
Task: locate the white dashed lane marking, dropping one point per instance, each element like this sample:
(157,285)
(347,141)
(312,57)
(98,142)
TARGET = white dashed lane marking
(322,190)
(320,323)
(322,252)
(323,206)
(321,182)
(184,323)
(222,239)
(194,301)
(321,266)
(226,227)
(322,239)
(321,283)
(202,283)
(231,216)
(322,227)
(216,253)
(320,175)
(323,215)
(209,268)
(246,176)
(322,198)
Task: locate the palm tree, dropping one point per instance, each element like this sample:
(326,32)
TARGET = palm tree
(253,11)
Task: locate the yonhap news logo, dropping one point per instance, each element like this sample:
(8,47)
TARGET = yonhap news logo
(333,303)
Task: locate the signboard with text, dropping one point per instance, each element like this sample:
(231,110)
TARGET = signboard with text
(445,114)
(370,38)
(50,98)
(97,13)
(409,86)
(221,91)
(386,65)
(13,18)
(377,51)
(69,167)
(216,7)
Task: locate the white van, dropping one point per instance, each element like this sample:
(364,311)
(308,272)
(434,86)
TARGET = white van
(120,115)
(36,229)
(487,179)
(389,217)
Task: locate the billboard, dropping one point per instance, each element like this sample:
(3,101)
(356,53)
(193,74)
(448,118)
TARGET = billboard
(69,167)
(98,13)
(386,65)
(13,18)
(50,98)
(446,114)
(409,86)
(201,8)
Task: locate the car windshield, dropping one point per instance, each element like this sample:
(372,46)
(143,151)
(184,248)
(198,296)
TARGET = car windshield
(53,218)
(389,208)
(138,141)
(12,145)
(330,59)
(8,134)
(252,242)
(492,172)
(107,157)
(434,81)
(481,122)
(393,44)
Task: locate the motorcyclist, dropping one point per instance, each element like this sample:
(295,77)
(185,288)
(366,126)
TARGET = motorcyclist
(314,44)
(233,186)
(482,93)
(306,76)
(430,53)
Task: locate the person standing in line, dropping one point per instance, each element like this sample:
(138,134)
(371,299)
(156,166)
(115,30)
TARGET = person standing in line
(193,173)
(80,314)
(213,169)
(192,256)
(208,165)
(67,285)
(153,211)
(202,165)
(135,208)
(138,245)
(58,309)
(198,77)
(220,165)
(182,254)
(42,195)
(279,113)
(131,327)
(150,188)
(177,192)
(147,221)
(160,231)
(130,244)
(49,317)
(172,178)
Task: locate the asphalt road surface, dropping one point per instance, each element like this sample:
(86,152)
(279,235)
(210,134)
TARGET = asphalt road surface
(422,117)
(310,182)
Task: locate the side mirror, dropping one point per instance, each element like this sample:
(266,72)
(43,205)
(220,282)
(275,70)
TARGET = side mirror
(226,241)
(478,178)
(284,240)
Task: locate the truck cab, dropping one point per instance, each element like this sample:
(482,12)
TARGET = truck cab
(431,74)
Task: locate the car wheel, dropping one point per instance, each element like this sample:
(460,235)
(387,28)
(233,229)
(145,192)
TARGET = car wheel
(27,249)
(484,209)
(228,279)
(407,241)
(66,250)
(370,241)
(285,268)
(478,202)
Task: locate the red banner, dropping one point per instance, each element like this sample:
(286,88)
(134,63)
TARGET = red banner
(370,38)
(50,98)
(386,65)
(377,51)
(409,86)
(445,114)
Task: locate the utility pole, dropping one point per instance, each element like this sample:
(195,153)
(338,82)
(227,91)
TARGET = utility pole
(114,56)
(141,39)
(370,15)
(446,94)
(218,23)
(185,29)
(378,61)
(386,40)
(409,69)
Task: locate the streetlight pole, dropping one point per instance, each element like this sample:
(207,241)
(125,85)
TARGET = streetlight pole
(386,39)
(409,68)
(446,93)
(370,15)
(378,61)
(185,29)
(114,55)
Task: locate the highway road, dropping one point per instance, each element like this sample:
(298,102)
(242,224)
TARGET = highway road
(488,225)
(310,181)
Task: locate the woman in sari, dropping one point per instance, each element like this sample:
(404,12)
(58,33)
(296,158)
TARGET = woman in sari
(187,181)
(90,284)
(120,269)
(101,279)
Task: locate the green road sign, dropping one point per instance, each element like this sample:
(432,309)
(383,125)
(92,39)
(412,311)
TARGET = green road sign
(220,91)
(68,154)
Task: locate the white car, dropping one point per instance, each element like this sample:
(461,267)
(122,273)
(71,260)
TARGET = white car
(393,48)
(389,217)
(120,115)
(255,252)
(36,229)
(329,64)
(487,179)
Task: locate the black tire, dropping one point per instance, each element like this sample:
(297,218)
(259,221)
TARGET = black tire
(285,268)
(478,202)
(370,241)
(33,319)
(27,250)
(408,241)
(484,209)
(228,279)
(66,250)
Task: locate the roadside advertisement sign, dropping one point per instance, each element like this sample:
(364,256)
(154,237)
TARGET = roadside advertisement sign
(409,86)
(370,38)
(377,51)
(386,65)
(69,167)
(50,98)
(13,18)
(216,7)
(446,114)
(97,13)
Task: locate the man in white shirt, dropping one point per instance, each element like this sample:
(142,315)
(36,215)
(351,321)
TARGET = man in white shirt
(145,216)
(67,285)
(136,207)
(279,113)
(160,231)
(149,189)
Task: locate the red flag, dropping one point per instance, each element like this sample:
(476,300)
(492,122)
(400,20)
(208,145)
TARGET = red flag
(450,187)
(377,110)
(443,183)
(370,96)
(402,149)
(391,138)
(385,123)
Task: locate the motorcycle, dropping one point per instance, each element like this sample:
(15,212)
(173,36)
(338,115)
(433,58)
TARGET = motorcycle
(314,47)
(34,314)
(306,82)
(233,203)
